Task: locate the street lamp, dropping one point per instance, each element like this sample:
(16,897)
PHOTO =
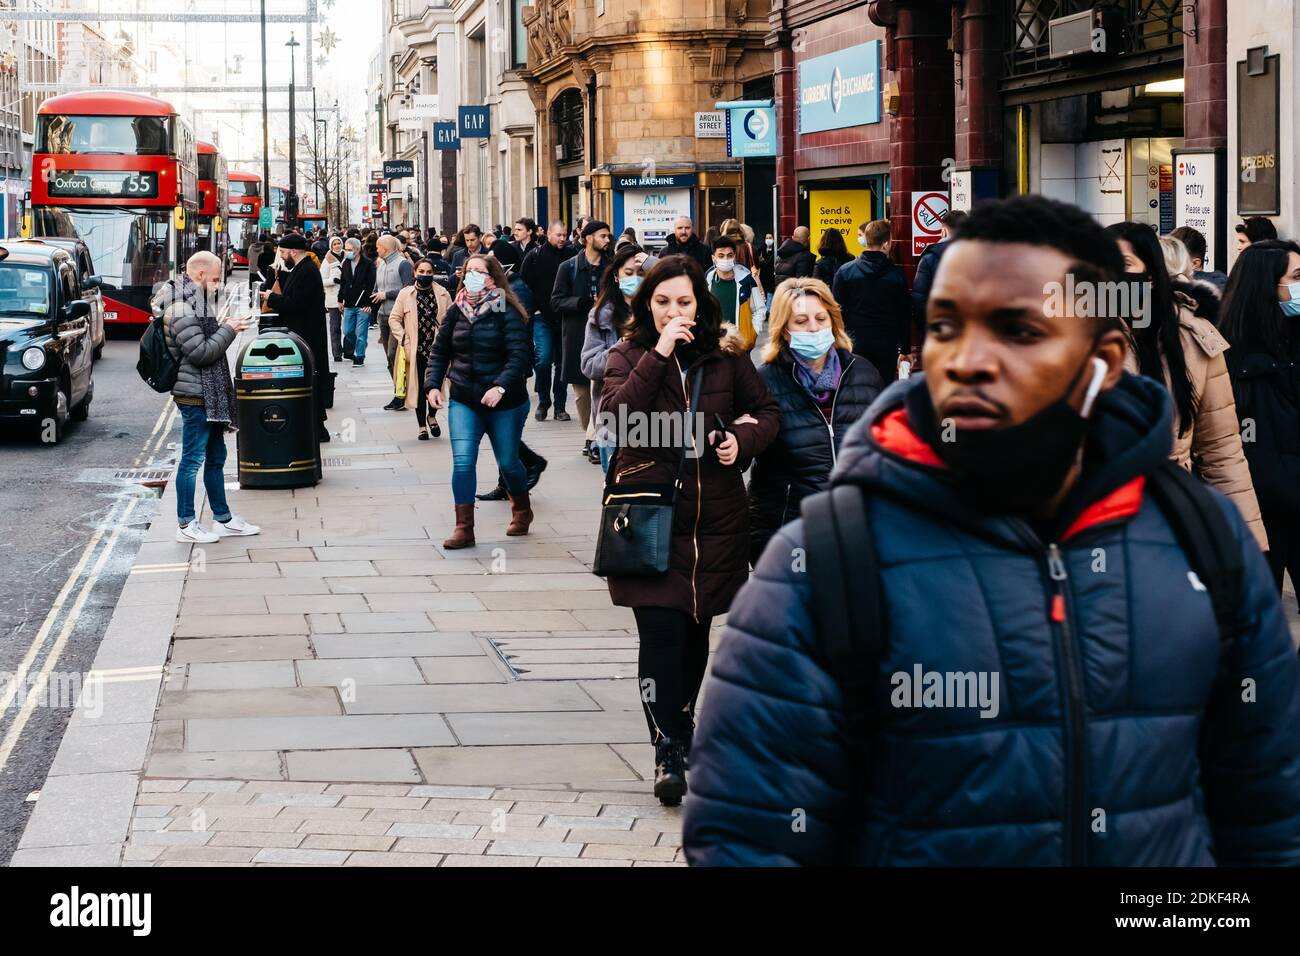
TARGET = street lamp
(293,45)
(266,147)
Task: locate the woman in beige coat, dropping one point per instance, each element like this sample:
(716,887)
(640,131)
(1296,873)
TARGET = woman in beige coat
(414,322)
(1174,339)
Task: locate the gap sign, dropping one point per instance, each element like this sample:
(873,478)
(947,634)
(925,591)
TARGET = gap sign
(473,121)
(445,136)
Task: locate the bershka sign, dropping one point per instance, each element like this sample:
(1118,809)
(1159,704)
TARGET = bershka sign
(398,168)
(74,908)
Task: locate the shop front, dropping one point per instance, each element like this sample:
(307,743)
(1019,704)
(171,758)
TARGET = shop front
(650,204)
(833,128)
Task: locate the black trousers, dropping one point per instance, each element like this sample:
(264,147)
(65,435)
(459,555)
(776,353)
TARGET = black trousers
(422,413)
(670,667)
(1283,532)
(336,332)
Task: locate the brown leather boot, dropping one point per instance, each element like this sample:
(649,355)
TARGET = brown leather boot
(463,536)
(521,515)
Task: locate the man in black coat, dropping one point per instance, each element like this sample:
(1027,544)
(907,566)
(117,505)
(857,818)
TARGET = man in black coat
(300,305)
(684,242)
(356,286)
(794,260)
(926,267)
(576,286)
(538,272)
(872,291)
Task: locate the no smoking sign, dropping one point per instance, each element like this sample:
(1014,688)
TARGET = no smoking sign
(928,210)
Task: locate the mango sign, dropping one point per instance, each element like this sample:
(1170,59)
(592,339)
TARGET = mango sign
(842,209)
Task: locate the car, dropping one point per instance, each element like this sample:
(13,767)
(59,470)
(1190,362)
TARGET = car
(90,283)
(47,374)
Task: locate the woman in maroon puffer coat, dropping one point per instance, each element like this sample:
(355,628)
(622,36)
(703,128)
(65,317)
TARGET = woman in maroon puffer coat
(676,334)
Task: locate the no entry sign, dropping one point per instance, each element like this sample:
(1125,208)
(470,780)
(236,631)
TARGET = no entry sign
(927,212)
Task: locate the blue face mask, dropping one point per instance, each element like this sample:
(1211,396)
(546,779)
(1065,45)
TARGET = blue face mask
(475,281)
(811,346)
(351,254)
(1292,308)
(628,285)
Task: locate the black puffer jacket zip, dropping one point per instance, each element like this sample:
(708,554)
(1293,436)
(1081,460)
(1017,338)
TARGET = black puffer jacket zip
(494,349)
(798,463)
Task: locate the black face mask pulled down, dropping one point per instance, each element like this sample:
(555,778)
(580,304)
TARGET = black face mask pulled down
(1006,470)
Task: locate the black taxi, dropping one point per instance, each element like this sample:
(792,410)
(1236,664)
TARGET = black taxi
(46,344)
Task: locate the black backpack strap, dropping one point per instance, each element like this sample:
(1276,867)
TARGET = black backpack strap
(1207,540)
(845,578)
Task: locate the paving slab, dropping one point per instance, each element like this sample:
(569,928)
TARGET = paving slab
(239,764)
(316,733)
(520,765)
(468,698)
(461,670)
(358,765)
(269,702)
(548,728)
(224,649)
(352,672)
(240,675)
(430,644)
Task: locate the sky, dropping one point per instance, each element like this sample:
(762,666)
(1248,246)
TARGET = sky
(220,55)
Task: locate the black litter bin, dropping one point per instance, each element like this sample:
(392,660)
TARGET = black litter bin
(279,444)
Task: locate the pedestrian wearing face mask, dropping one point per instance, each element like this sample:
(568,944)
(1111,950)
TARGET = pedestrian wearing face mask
(766,255)
(822,389)
(331,272)
(1007,517)
(1261,309)
(1186,353)
(356,286)
(417,315)
(605,329)
(734,287)
(300,307)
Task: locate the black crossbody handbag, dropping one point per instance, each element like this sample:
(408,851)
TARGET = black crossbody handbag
(636,521)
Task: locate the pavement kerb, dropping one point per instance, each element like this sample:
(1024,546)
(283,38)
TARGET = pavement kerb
(80,799)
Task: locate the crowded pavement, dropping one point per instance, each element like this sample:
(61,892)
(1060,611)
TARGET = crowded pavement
(608,448)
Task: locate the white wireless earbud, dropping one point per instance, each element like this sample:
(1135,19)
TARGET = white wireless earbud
(1099,370)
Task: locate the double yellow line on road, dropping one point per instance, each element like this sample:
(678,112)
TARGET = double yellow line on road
(87,570)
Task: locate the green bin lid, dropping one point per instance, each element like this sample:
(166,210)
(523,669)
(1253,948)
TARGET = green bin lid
(272,356)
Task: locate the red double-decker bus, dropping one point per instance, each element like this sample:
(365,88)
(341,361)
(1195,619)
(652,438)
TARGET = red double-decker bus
(119,171)
(212,203)
(245,206)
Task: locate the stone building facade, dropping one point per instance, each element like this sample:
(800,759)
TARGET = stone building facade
(616,84)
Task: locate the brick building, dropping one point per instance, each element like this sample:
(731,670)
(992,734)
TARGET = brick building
(899,97)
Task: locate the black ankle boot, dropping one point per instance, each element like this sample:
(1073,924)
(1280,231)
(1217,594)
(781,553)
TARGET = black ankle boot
(670,772)
(688,736)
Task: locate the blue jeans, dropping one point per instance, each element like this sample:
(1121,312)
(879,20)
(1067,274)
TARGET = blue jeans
(202,446)
(468,424)
(546,342)
(356,322)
